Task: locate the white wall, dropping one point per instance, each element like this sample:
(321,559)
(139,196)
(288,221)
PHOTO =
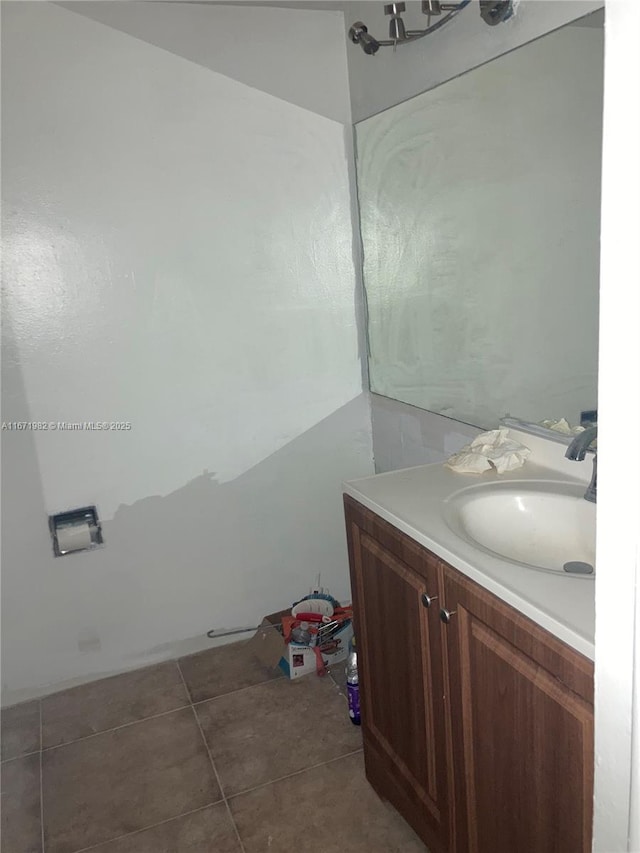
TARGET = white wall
(178,254)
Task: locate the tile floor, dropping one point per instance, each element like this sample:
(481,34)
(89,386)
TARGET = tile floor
(209,754)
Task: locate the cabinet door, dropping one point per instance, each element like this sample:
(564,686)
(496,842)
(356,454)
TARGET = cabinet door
(400,671)
(522,729)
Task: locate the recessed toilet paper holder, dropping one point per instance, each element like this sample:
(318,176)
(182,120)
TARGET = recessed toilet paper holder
(75,530)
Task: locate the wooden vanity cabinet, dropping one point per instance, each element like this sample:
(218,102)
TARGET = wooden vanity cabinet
(477,723)
(521,706)
(400,672)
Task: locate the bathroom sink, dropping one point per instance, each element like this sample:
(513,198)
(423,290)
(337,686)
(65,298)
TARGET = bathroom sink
(540,525)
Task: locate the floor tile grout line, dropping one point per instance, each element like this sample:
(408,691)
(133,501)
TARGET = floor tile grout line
(239,690)
(18,757)
(223,796)
(41,783)
(189,704)
(295,773)
(146,828)
(340,688)
(115,728)
(184,681)
(213,764)
(219,781)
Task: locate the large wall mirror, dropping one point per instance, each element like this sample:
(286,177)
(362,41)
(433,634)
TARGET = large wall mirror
(480,218)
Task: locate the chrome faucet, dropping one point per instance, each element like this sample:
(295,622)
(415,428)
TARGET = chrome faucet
(577,451)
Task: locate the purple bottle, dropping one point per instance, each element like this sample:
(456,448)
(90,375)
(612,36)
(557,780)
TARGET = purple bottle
(353,690)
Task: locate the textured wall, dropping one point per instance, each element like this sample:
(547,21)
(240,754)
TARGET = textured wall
(178,255)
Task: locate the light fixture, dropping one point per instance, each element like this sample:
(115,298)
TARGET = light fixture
(495,11)
(359,34)
(491,11)
(397,30)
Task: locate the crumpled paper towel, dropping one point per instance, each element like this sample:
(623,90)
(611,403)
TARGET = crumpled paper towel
(562,426)
(493,449)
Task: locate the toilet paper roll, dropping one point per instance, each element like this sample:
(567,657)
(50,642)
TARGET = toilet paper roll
(74,538)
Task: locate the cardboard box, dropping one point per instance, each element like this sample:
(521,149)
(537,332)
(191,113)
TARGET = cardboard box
(300,660)
(293,659)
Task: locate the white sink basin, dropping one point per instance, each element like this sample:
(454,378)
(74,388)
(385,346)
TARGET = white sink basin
(534,523)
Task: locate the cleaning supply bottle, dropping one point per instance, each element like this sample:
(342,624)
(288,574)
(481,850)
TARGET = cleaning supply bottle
(353,690)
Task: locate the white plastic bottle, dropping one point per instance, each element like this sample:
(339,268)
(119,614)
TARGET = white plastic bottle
(353,689)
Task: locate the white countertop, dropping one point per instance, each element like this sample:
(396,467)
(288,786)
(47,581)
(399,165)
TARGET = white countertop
(411,499)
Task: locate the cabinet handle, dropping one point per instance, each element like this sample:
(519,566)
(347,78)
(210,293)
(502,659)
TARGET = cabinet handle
(427,600)
(445,615)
